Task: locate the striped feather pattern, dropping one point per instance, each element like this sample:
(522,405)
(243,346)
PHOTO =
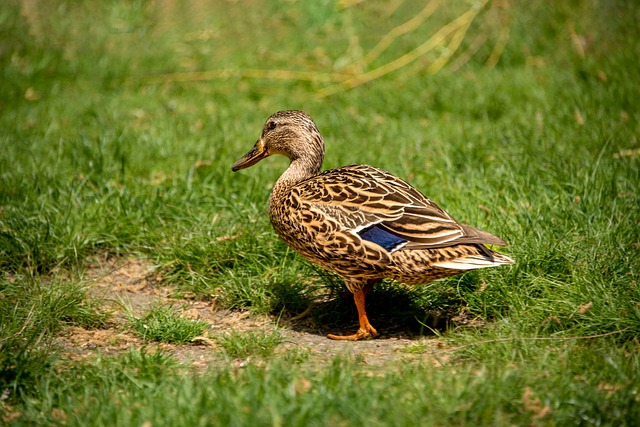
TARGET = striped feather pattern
(361,222)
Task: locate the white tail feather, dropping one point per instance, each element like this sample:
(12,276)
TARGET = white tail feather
(471,262)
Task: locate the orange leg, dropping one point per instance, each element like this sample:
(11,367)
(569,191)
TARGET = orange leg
(366,330)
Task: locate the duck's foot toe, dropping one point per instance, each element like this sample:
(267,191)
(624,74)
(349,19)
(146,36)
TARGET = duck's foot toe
(362,334)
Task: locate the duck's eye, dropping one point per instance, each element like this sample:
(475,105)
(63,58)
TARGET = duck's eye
(271,125)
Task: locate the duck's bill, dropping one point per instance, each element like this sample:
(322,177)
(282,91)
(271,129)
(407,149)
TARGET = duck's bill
(256,154)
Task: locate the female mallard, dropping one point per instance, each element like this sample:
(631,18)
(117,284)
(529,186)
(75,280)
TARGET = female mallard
(361,222)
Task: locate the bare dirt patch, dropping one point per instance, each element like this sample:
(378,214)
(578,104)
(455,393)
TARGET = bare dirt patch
(129,286)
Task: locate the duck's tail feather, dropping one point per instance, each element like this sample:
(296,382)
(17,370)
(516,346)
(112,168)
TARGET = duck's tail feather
(472,261)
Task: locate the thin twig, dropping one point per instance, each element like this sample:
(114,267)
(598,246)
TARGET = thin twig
(193,76)
(455,31)
(461,22)
(498,49)
(396,32)
(451,48)
(345,4)
(473,48)
(304,313)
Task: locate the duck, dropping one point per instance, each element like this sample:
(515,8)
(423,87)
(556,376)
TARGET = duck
(360,222)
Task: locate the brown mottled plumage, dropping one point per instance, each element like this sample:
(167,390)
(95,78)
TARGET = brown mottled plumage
(361,222)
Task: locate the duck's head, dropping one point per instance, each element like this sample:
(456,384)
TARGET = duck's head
(290,133)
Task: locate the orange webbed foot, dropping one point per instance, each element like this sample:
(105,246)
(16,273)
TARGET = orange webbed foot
(362,334)
(366,331)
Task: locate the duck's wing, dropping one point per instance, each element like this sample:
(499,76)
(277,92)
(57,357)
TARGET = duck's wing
(384,209)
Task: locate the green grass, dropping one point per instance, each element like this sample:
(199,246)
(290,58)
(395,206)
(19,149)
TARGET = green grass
(162,323)
(241,345)
(106,148)
(539,385)
(33,311)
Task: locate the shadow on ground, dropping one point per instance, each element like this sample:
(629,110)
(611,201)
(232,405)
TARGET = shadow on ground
(392,309)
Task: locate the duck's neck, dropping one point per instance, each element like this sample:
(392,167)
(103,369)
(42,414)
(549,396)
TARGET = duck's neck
(300,169)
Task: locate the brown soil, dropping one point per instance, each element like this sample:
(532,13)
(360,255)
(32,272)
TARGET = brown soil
(132,285)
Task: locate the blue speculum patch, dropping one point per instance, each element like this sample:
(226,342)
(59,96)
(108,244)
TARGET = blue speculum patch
(381,237)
